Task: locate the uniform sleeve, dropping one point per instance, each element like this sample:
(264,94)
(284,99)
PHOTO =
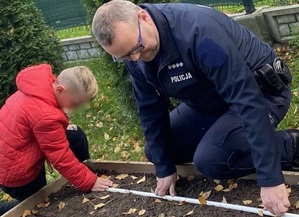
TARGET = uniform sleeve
(222,63)
(154,117)
(51,137)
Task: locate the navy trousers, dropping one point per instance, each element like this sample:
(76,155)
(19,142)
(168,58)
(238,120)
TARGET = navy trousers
(217,145)
(79,146)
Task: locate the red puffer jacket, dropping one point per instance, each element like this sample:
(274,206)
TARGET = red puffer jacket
(32,129)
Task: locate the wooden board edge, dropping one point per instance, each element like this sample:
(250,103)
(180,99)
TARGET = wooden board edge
(38,197)
(291,178)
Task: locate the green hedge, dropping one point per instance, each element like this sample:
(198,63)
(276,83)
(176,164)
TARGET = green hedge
(24,40)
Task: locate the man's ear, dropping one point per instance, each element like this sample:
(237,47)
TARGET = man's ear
(59,89)
(143,15)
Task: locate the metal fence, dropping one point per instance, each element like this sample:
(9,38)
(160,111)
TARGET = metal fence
(61,14)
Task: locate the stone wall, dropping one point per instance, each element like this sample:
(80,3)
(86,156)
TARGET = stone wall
(81,48)
(272,25)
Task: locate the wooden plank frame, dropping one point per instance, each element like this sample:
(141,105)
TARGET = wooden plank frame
(291,178)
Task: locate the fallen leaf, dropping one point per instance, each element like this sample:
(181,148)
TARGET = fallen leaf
(190,178)
(43,204)
(61,205)
(223,200)
(259,199)
(218,188)
(142,212)
(190,212)
(104,197)
(131,211)
(7,197)
(85,200)
(141,180)
(158,201)
(122,176)
(181,203)
(207,194)
(99,206)
(34,212)
(260,213)
(92,212)
(115,185)
(26,213)
(105,177)
(106,136)
(134,177)
(297,204)
(247,202)
(217,181)
(202,200)
(161,215)
(289,191)
(227,190)
(261,205)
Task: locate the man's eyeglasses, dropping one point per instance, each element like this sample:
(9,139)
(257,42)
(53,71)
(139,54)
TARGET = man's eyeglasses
(139,47)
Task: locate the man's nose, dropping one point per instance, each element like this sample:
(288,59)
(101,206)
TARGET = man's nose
(135,56)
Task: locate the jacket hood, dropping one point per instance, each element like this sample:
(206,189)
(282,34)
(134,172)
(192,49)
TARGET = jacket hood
(37,81)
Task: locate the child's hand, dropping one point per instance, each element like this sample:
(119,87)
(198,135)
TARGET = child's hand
(101,185)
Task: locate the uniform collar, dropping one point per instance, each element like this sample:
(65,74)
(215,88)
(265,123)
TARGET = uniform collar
(168,50)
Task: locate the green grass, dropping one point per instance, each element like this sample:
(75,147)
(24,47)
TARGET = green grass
(74,32)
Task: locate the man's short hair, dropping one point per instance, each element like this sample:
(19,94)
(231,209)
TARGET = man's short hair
(80,80)
(108,14)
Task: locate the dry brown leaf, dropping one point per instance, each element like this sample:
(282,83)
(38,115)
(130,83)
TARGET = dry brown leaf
(189,213)
(99,206)
(190,178)
(122,176)
(260,213)
(261,205)
(34,212)
(202,200)
(43,204)
(289,191)
(106,136)
(134,177)
(227,190)
(158,201)
(7,197)
(85,200)
(141,180)
(247,202)
(218,188)
(297,204)
(161,215)
(207,194)
(105,177)
(181,203)
(259,199)
(115,185)
(104,197)
(61,205)
(26,213)
(142,212)
(92,212)
(233,186)
(131,211)
(217,181)
(223,200)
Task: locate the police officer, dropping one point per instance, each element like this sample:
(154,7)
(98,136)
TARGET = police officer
(234,92)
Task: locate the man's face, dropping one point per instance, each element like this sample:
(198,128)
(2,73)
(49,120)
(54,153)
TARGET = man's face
(137,41)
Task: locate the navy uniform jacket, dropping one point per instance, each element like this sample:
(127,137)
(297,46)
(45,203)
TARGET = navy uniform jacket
(206,60)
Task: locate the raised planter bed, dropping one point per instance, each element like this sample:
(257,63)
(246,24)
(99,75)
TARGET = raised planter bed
(65,200)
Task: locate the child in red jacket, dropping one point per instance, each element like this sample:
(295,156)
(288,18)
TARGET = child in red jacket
(33,129)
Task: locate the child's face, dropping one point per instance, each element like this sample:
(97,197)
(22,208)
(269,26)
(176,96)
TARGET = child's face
(68,100)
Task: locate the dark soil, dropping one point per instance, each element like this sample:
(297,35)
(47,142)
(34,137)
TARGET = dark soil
(118,204)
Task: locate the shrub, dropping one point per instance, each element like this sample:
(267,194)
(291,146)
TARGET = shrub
(24,40)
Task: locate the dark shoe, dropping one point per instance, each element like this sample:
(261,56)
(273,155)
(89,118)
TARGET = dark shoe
(294,133)
(6,206)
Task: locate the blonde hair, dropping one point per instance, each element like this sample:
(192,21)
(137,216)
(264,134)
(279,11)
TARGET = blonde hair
(79,79)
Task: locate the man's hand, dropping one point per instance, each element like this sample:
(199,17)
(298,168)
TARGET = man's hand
(101,185)
(275,199)
(165,185)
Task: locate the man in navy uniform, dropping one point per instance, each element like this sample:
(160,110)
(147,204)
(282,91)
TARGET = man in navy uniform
(234,92)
